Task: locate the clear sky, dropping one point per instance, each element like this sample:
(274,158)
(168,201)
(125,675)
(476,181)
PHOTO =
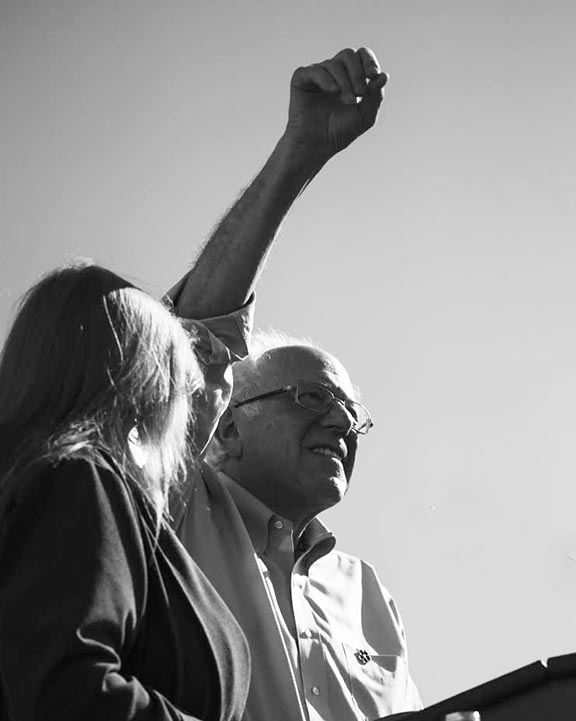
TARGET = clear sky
(436,258)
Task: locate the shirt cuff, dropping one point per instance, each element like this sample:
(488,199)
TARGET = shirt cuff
(222,339)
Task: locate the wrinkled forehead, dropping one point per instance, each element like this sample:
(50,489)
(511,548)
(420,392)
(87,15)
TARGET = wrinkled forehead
(286,366)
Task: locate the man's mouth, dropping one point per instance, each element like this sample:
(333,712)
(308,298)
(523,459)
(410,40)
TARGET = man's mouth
(336,453)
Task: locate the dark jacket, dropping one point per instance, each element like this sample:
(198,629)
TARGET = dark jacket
(102,616)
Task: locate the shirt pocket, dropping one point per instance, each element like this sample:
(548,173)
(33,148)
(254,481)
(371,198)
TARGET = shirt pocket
(378,682)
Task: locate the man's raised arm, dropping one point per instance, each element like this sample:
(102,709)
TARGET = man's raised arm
(331,104)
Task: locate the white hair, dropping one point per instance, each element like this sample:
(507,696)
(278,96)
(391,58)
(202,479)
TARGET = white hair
(247,373)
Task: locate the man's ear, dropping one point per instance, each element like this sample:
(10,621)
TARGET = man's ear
(228,435)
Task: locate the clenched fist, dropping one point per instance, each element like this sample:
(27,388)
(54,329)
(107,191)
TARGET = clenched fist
(335,101)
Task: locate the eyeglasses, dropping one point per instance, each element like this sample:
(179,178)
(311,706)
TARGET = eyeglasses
(316,398)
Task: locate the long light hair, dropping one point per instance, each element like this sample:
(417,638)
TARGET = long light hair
(89,361)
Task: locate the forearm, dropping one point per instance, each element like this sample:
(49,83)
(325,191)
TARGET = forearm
(331,104)
(226,271)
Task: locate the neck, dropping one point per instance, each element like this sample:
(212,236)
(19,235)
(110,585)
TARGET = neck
(280,505)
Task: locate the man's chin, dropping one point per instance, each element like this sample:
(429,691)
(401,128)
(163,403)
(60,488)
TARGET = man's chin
(335,489)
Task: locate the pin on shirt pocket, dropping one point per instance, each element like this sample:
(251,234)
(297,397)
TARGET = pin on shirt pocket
(377,681)
(362,656)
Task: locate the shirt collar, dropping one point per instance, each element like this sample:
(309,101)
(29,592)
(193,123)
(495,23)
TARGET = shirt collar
(316,540)
(255,514)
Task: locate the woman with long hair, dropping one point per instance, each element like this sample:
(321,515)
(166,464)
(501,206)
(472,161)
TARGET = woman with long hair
(103,615)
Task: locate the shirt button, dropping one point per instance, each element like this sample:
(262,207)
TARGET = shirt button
(307,633)
(315,690)
(279,525)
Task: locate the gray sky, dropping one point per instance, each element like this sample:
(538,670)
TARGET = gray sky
(436,258)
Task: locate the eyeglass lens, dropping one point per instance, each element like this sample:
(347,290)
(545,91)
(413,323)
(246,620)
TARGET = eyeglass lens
(320,400)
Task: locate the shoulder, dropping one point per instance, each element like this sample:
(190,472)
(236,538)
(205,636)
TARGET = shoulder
(71,483)
(354,578)
(78,468)
(354,572)
(76,503)
(346,561)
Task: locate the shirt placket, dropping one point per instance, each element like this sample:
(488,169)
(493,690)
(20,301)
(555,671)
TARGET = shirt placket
(312,661)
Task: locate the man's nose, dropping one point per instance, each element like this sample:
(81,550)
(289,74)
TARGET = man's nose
(339,417)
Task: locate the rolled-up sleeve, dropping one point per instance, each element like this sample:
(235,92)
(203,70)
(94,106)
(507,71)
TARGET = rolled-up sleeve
(222,339)
(219,342)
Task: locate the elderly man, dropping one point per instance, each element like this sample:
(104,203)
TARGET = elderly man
(326,640)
